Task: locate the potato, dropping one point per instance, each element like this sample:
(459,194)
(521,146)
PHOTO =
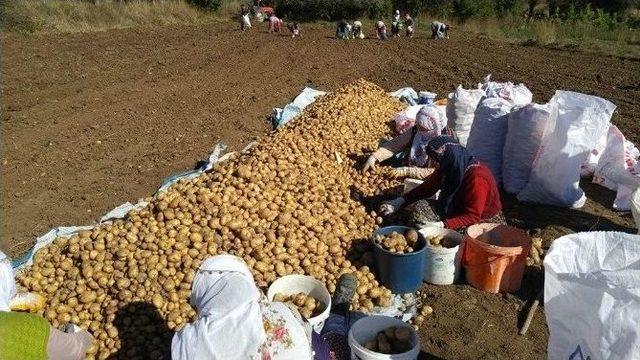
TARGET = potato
(402,334)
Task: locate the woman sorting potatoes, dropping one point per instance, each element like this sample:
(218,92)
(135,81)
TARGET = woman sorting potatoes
(30,336)
(468,190)
(430,121)
(235,321)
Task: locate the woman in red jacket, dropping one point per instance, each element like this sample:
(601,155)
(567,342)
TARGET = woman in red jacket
(468,191)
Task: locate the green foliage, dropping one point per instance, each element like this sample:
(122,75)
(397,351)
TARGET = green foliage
(332,10)
(209,5)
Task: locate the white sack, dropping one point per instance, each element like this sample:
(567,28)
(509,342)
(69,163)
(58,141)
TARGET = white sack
(524,137)
(488,133)
(635,207)
(461,108)
(592,296)
(515,94)
(588,167)
(618,168)
(577,121)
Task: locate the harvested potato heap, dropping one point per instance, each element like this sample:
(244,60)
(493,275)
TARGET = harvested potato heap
(441,241)
(399,243)
(285,206)
(393,340)
(307,305)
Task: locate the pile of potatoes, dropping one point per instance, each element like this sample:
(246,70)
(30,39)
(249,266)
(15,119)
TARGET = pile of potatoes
(392,340)
(286,206)
(307,305)
(536,253)
(397,242)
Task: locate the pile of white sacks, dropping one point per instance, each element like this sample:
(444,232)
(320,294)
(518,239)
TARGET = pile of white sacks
(540,151)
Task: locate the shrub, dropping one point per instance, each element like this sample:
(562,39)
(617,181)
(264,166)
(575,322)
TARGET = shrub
(331,10)
(209,5)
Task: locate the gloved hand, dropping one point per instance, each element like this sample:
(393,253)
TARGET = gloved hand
(431,224)
(370,164)
(412,172)
(390,207)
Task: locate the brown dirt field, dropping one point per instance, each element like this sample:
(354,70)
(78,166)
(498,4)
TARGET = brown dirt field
(90,121)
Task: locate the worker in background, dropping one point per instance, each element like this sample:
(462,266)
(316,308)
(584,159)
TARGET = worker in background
(294,28)
(396,24)
(440,30)
(468,190)
(236,322)
(28,336)
(408,22)
(342,30)
(381,30)
(245,22)
(357,30)
(430,121)
(275,24)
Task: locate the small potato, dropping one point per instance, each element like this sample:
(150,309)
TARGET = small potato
(402,334)
(280,297)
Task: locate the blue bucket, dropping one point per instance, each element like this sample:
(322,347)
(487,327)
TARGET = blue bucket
(402,273)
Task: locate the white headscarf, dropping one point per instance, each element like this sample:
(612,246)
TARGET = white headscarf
(229,324)
(7,283)
(432,119)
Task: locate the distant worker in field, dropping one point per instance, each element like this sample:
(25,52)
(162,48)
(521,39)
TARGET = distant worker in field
(440,30)
(342,30)
(357,30)
(381,30)
(396,24)
(408,22)
(294,29)
(275,24)
(245,22)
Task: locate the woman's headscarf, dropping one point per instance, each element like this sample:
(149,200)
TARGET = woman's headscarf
(454,161)
(7,283)
(229,323)
(431,118)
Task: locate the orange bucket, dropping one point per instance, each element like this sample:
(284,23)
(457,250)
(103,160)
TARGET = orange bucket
(495,257)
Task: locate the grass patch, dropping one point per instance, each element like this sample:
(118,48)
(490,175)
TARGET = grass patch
(71,16)
(619,39)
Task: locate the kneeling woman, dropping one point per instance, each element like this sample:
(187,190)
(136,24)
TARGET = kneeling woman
(468,191)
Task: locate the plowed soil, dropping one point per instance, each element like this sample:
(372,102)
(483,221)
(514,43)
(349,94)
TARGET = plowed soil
(90,121)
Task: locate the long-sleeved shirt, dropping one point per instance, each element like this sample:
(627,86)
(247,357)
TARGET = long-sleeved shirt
(477,199)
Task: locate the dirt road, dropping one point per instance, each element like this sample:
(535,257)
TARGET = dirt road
(90,121)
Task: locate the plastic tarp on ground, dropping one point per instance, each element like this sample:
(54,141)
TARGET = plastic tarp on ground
(291,110)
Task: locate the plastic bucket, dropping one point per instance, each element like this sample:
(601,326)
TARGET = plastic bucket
(293,284)
(402,273)
(426,97)
(368,327)
(495,257)
(442,265)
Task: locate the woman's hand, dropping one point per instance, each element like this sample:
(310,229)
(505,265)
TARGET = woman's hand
(389,207)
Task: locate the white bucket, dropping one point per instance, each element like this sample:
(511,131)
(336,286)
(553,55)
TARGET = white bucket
(426,97)
(368,327)
(293,284)
(442,265)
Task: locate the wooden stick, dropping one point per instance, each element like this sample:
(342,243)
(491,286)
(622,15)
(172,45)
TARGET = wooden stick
(532,311)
